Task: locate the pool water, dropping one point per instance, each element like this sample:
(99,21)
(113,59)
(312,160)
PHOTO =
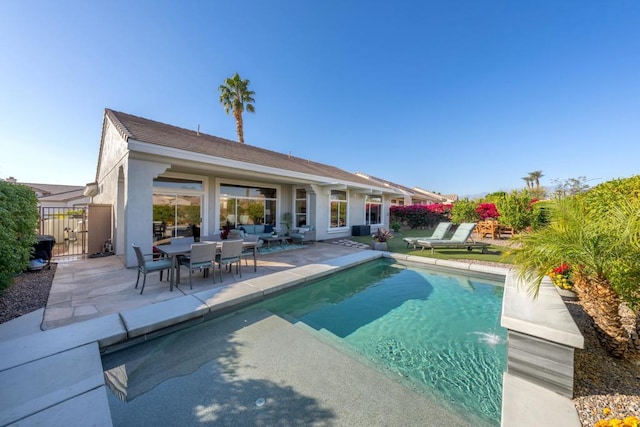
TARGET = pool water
(437,334)
(440,333)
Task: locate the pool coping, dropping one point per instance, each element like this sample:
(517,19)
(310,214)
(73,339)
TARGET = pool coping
(26,360)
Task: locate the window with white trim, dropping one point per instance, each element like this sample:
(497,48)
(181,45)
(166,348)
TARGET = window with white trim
(301,207)
(177,206)
(338,209)
(373,209)
(247,205)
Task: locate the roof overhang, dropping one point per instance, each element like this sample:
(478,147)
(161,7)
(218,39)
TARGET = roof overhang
(91,189)
(184,160)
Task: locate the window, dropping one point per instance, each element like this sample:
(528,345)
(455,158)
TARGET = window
(338,212)
(177,207)
(243,205)
(301,208)
(178,183)
(373,210)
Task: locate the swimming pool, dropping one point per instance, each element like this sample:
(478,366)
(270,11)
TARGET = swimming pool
(438,334)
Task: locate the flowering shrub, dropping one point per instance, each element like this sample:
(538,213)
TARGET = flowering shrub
(464,211)
(420,215)
(630,421)
(487,211)
(561,276)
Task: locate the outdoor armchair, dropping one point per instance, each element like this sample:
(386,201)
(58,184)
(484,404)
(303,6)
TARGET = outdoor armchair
(303,234)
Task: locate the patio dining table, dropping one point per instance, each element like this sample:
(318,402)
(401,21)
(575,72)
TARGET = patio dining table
(173,250)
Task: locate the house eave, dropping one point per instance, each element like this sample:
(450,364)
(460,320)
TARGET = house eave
(189,159)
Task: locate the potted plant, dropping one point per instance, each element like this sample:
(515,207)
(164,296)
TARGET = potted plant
(287,218)
(380,239)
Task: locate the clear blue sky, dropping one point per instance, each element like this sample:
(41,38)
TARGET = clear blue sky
(455,97)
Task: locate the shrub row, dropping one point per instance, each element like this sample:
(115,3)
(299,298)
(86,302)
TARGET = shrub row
(18,223)
(419,216)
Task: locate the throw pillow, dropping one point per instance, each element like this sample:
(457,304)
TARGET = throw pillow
(268,228)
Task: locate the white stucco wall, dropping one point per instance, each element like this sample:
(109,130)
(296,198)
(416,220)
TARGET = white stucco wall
(127,185)
(138,209)
(112,162)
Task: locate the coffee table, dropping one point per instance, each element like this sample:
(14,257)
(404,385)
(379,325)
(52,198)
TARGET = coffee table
(279,239)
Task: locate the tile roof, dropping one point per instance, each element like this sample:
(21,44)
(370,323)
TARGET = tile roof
(56,192)
(415,191)
(152,132)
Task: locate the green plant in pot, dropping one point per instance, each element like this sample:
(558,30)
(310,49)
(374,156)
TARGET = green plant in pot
(380,239)
(287,219)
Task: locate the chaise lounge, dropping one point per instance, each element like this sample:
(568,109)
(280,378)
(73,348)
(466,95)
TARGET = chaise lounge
(438,234)
(460,239)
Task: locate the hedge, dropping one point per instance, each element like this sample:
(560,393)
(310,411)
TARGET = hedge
(18,224)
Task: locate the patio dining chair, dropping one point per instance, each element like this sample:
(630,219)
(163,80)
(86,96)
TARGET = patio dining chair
(248,251)
(231,253)
(148,266)
(182,240)
(202,257)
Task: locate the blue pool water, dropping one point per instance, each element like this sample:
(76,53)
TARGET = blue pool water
(435,333)
(438,332)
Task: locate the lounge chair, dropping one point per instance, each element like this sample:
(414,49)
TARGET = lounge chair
(438,234)
(460,239)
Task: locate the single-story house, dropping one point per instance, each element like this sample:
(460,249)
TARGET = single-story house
(56,195)
(165,181)
(411,196)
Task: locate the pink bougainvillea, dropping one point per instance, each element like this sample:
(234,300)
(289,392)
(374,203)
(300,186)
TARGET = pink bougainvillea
(487,211)
(421,215)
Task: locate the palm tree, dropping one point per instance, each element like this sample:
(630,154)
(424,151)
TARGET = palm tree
(527,179)
(601,252)
(235,96)
(535,177)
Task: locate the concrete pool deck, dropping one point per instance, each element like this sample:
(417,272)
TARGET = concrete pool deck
(56,374)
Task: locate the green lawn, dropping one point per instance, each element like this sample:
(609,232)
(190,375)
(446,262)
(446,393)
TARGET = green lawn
(396,244)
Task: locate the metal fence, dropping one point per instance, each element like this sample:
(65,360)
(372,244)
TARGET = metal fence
(68,226)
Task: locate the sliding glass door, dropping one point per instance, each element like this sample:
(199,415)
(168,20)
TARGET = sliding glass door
(177,207)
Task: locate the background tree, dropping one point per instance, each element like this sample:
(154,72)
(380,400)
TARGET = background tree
(535,177)
(533,184)
(235,96)
(571,186)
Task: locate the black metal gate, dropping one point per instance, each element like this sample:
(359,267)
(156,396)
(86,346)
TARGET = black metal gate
(68,226)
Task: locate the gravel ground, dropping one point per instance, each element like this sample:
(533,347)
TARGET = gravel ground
(600,380)
(29,292)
